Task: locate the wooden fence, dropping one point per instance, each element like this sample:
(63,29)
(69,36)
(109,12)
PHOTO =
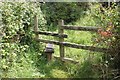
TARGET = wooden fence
(61,36)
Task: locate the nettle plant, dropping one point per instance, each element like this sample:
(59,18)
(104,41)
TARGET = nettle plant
(18,21)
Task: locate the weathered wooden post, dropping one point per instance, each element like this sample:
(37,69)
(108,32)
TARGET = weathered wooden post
(61,39)
(36,26)
(49,51)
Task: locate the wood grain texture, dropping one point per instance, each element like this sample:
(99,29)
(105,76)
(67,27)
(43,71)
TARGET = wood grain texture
(73,45)
(61,46)
(80,28)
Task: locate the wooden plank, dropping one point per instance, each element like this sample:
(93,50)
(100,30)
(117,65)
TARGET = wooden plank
(61,31)
(73,45)
(51,34)
(36,26)
(67,60)
(85,47)
(48,41)
(71,27)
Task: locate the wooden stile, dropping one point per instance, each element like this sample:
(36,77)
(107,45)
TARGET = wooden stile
(61,36)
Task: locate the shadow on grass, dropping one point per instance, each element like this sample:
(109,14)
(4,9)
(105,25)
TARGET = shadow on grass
(58,69)
(52,69)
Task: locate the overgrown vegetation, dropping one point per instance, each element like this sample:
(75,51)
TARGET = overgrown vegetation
(17,37)
(109,19)
(56,11)
(21,55)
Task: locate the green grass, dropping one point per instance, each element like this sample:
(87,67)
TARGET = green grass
(86,58)
(79,37)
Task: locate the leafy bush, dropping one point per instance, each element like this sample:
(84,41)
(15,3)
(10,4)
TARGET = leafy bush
(17,26)
(18,18)
(11,53)
(108,18)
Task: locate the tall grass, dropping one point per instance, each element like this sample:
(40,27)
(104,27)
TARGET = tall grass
(86,58)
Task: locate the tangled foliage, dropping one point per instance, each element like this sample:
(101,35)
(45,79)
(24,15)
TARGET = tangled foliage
(108,18)
(16,31)
(18,17)
(18,20)
(11,53)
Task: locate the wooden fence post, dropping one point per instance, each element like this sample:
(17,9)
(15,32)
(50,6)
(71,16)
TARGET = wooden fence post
(36,26)
(61,39)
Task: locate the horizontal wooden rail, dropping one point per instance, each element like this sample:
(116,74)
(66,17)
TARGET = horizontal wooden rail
(71,27)
(73,45)
(85,47)
(67,60)
(51,34)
